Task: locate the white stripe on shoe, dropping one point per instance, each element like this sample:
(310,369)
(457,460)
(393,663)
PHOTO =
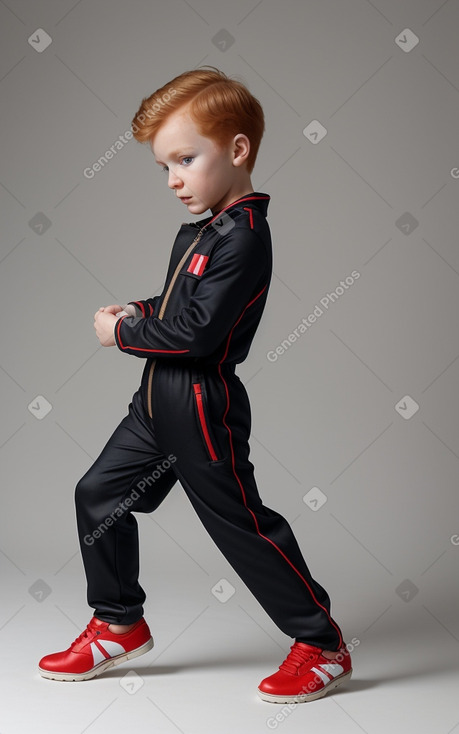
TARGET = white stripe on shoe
(104,649)
(328,671)
(323,676)
(333,668)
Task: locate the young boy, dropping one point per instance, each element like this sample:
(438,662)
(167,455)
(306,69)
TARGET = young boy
(190,419)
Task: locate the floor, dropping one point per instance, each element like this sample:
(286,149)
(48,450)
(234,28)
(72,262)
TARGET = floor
(202,674)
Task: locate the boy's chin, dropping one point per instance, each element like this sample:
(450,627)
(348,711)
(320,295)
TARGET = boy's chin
(195,207)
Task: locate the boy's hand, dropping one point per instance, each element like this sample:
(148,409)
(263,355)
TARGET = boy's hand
(104,324)
(109,309)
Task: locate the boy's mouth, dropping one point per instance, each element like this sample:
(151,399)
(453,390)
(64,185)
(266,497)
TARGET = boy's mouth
(185,199)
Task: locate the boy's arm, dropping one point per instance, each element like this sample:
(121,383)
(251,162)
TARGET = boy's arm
(237,273)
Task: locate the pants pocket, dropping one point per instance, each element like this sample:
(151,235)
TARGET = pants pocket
(203,421)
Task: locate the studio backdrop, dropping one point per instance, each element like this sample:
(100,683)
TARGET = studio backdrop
(353,374)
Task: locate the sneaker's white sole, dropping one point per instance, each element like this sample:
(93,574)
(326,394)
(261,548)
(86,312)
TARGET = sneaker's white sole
(101,667)
(303,697)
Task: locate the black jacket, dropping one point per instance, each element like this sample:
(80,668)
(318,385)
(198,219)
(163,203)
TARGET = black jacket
(216,301)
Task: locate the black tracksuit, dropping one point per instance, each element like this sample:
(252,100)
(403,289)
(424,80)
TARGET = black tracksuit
(190,421)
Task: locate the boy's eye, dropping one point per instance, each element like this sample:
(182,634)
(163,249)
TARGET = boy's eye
(186,160)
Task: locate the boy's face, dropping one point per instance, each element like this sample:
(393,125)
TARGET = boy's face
(202,175)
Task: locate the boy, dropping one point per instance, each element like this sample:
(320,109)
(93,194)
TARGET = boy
(190,418)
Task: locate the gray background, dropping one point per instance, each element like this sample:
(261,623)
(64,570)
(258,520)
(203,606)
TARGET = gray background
(325,416)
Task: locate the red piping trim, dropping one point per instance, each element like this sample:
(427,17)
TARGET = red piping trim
(141,306)
(240,317)
(242,488)
(202,419)
(248,209)
(142,349)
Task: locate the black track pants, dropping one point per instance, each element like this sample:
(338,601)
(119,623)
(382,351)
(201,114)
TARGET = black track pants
(198,435)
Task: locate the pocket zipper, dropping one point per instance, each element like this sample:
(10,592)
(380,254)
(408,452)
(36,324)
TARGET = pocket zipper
(161,314)
(202,420)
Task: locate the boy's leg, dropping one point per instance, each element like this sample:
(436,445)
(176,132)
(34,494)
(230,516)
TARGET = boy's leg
(131,474)
(208,430)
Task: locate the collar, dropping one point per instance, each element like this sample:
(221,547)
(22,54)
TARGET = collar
(255,200)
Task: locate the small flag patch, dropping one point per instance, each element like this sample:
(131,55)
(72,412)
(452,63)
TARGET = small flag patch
(197,264)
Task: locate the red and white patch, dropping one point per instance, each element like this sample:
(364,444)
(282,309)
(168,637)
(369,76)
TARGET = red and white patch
(197,264)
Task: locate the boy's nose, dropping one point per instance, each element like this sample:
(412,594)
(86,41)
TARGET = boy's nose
(173,181)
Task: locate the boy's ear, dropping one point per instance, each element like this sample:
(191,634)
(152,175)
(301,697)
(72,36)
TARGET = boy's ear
(241,149)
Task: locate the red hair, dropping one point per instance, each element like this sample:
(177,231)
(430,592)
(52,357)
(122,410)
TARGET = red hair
(219,106)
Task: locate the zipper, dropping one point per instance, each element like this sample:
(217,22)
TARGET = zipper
(161,314)
(202,420)
(150,380)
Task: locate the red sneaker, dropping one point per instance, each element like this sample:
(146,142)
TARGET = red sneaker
(306,675)
(96,650)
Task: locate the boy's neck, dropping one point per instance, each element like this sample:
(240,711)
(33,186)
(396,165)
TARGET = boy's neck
(234,196)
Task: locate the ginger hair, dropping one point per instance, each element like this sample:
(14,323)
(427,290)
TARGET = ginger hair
(219,106)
